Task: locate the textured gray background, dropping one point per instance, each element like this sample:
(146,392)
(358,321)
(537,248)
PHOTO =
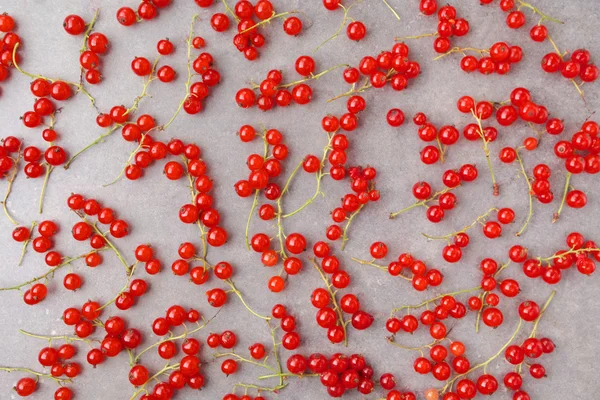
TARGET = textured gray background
(151,204)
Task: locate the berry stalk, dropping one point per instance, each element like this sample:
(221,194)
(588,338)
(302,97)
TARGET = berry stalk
(349,221)
(391,9)
(342,25)
(49,169)
(319,177)
(423,203)
(461,50)
(36,373)
(556,215)
(25,243)
(429,301)
(10,181)
(189,73)
(540,13)
(447,237)
(79,87)
(486,150)
(65,338)
(381,267)
(49,273)
(530,214)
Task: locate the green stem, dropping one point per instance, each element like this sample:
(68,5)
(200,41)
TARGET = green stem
(530,214)
(426,302)
(49,169)
(556,215)
(252,209)
(189,74)
(50,272)
(100,139)
(350,219)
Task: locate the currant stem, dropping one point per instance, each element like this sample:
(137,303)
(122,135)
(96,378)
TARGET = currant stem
(426,302)
(341,27)
(350,219)
(275,352)
(537,321)
(189,73)
(131,155)
(128,269)
(333,300)
(64,338)
(319,177)
(391,340)
(230,11)
(243,359)
(313,77)
(566,253)
(537,11)
(79,87)
(50,272)
(138,99)
(9,186)
(45,184)
(556,215)
(268,20)
(287,374)
(486,150)
(484,364)
(198,223)
(530,214)
(423,203)
(280,231)
(381,267)
(100,139)
(260,388)
(36,373)
(353,90)
(239,294)
(142,388)
(250,214)
(461,50)
(391,9)
(400,39)
(466,228)
(25,243)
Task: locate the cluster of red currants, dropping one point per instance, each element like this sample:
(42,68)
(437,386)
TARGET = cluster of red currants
(58,360)
(581,254)
(329,314)
(500,60)
(273,92)
(446,136)
(362,183)
(449,25)
(339,373)
(531,348)
(579,65)
(43,106)
(421,278)
(7,45)
(263,168)
(248,40)
(10,146)
(394,66)
(96,44)
(446,199)
(91,207)
(147,10)
(581,153)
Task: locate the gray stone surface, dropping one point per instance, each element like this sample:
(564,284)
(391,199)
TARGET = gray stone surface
(151,204)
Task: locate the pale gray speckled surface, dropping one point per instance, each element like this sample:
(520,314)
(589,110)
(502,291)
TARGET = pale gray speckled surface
(151,205)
